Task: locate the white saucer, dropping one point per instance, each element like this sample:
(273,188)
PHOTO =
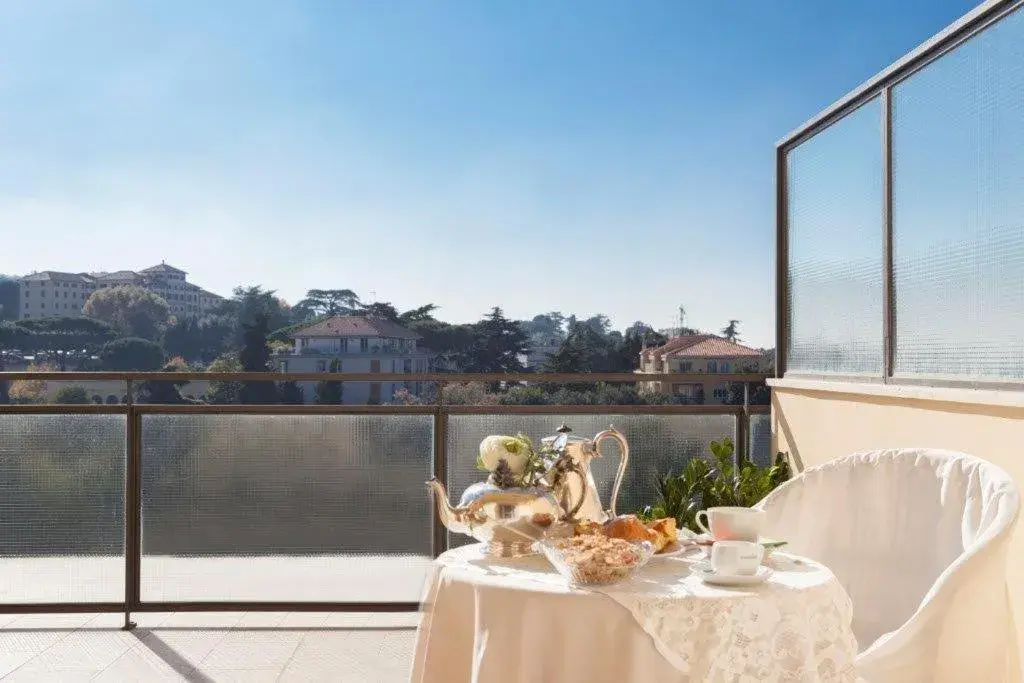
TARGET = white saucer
(675,549)
(708,575)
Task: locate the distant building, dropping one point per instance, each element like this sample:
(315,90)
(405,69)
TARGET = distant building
(539,351)
(51,293)
(356,344)
(700,354)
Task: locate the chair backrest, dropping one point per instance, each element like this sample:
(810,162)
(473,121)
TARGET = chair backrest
(888,523)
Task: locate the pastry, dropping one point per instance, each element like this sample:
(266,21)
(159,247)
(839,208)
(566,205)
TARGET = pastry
(629,528)
(666,531)
(543,519)
(587,528)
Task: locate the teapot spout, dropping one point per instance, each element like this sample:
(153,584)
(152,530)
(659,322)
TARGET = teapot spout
(445,511)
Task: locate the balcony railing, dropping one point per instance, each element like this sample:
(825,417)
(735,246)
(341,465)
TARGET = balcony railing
(157,507)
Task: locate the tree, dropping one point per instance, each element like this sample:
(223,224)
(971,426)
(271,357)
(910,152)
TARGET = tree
(291,393)
(255,357)
(184,338)
(164,392)
(30,390)
(584,350)
(132,310)
(62,335)
(9,298)
(132,354)
(326,302)
(498,345)
(380,309)
(329,392)
(72,394)
(247,303)
(220,391)
(732,331)
(417,315)
(625,356)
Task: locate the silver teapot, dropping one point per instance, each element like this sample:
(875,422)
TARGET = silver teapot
(509,520)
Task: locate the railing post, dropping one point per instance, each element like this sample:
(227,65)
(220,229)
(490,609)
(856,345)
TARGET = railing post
(743,428)
(132,510)
(439,540)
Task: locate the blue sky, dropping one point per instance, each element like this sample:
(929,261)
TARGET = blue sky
(586,156)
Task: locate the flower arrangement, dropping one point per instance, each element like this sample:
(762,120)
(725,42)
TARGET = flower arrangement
(513,461)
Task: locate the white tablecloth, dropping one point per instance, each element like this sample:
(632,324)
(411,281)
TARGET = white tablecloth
(516,621)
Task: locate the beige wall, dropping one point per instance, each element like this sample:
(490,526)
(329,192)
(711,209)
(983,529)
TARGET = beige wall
(816,426)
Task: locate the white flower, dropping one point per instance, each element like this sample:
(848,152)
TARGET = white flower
(512,449)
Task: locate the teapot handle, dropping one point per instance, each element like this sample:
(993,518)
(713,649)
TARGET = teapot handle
(579,472)
(613,433)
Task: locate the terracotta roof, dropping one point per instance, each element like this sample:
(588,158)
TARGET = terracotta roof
(701,346)
(676,343)
(354,326)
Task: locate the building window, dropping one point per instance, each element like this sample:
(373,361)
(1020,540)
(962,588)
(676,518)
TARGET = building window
(724,367)
(26,292)
(364,345)
(65,295)
(686,367)
(26,304)
(284,366)
(321,366)
(42,305)
(721,392)
(374,366)
(712,366)
(407,365)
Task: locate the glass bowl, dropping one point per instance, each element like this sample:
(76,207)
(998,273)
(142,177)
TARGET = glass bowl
(596,560)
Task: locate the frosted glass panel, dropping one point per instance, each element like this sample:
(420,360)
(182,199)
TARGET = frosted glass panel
(62,508)
(958,210)
(835,247)
(313,507)
(658,444)
(761,439)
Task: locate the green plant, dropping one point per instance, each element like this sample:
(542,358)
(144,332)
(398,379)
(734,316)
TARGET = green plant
(718,481)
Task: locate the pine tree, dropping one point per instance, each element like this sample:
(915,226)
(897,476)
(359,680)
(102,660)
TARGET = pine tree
(255,357)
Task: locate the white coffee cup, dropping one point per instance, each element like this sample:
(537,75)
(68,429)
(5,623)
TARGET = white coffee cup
(732,523)
(736,557)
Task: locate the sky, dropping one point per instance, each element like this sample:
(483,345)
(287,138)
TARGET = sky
(586,156)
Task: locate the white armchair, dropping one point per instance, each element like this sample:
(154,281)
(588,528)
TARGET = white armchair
(918,537)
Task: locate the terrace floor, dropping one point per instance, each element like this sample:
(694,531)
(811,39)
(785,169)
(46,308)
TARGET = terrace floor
(204,647)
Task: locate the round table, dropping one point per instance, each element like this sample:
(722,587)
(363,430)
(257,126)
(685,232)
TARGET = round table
(491,620)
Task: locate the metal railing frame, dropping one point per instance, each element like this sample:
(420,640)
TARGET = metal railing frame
(880,87)
(440,412)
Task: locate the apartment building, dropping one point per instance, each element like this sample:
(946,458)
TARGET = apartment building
(52,293)
(700,354)
(356,344)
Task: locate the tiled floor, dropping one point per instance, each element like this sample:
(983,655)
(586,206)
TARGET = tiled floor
(205,647)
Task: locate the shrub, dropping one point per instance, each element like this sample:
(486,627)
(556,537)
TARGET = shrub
(716,482)
(72,394)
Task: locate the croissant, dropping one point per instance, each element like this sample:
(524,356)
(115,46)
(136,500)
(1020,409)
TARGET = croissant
(629,528)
